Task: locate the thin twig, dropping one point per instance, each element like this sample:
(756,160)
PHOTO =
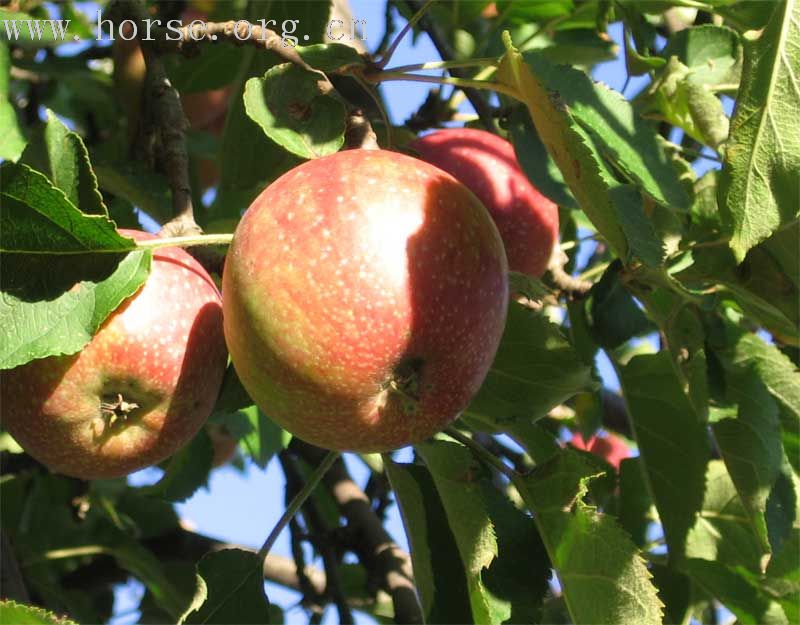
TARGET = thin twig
(165,120)
(565,283)
(479,103)
(482,453)
(294,505)
(322,540)
(387,56)
(385,562)
(463,83)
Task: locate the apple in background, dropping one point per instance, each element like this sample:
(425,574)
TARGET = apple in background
(487,165)
(365,294)
(609,447)
(138,391)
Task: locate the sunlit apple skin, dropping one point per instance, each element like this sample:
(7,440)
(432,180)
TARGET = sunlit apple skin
(365,294)
(487,165)
(609,447)
(163,350)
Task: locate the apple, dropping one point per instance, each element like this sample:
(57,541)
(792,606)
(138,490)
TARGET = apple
(609,447)
(365,294)
(487,165)
(138,391)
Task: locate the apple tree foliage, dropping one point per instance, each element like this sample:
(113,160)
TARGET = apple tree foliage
(506,524)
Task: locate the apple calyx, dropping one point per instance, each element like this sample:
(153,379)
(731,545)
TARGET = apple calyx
(117,410)
(403,383)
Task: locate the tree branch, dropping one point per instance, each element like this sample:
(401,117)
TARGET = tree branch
(186,39)
(389,565)
(479,103)
(164,121)
(322,536)
(576,288)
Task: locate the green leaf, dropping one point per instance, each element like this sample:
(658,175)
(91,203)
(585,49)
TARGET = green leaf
(751,447)
(61,155)
(612,313)
(12,140)
(624,137)
(264,439)
(743,597)
(143,188)
(24,30)
(331,57)
(580,46)
(751,356)
(439,574)
(758,186)
(230,590)
(186,471)
(20,614)
(148,568)
(38,218)
(685,336)
(293,110)
(48,310)
(783,576)
(617,214)
(638,228)
(723,531)
(712,53)
(675,590)
(534,370)
(232,396)
(535,11)
(603,577)
(505,563)
(635,501)
(667,427)
(523,284)
(209,70)
(51,310)
(531,153)
(248,159)
(766,285)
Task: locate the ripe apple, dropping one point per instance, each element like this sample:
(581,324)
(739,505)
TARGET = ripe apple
(364,294)
(487,165)
(138,391)
(609,447)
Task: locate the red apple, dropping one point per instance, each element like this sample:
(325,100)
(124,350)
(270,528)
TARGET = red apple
(487,165)
(364,294)
(138,391)
(609,447)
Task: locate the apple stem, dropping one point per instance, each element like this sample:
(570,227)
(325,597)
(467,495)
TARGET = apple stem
(187,241)
(462,83)
(297,501)
(482,453)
